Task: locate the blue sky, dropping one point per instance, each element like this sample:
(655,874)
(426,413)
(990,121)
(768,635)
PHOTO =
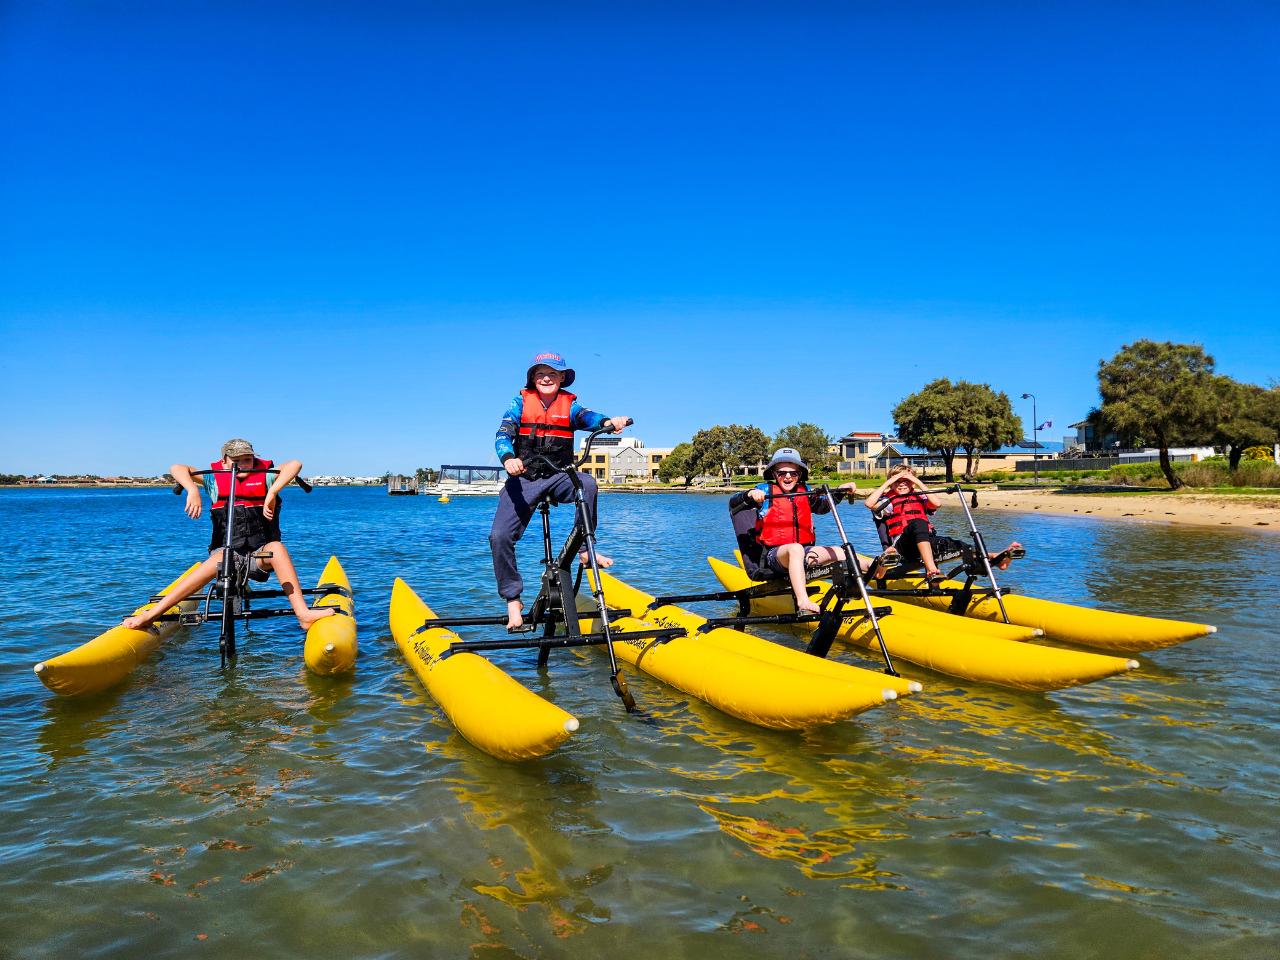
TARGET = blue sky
(341,232)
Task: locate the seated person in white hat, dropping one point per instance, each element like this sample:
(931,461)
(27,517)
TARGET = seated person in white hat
(782,541)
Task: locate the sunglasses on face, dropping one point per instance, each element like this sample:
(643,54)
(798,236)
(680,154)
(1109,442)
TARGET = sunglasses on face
(548,375)
(786,473)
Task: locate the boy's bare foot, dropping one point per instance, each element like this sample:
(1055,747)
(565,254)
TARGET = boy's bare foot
(807,606)
(138,621)
(313,616)
(880,565)
(515,614)
(605,562)
(1006,556)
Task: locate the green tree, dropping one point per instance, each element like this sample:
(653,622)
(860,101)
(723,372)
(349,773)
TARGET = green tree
(721,449)
(931,418)
(676,464)
(1163,391)
(424,476)
(1247,415)
(809,440)
(986,421)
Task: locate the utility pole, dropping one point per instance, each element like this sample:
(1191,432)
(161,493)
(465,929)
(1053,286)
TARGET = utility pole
(1035,441)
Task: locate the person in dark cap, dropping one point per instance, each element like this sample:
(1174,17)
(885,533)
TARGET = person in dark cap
(540,420)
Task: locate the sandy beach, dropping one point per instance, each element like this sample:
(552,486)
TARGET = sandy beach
(1207,510)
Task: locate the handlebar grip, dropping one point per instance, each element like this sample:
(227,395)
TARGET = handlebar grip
(177,488)
(306,487)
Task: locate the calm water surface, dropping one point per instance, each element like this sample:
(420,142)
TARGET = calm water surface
(266,812)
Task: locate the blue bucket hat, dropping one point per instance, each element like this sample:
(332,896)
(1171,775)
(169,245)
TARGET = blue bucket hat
(548,358)
(786,455)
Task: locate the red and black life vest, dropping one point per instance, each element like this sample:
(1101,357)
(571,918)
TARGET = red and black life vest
(787,520)
(546,430)
(905,508)
(251,484)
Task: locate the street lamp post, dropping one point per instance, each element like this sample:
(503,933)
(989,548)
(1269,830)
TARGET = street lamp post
(1035,441)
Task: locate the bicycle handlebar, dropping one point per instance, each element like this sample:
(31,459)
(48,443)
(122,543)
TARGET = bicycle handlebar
(306,487)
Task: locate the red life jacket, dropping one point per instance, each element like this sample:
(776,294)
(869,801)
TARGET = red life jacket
(787,520)
(251,489)
(554,429)
(906,507)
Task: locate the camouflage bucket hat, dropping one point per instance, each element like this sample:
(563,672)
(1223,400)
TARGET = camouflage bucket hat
(237,448)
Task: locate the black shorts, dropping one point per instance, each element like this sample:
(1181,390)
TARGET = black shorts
(251,532)
(944,548)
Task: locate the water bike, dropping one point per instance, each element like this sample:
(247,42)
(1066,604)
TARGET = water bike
(858,613)
(752,679)
(104,661)
(553,619)
(1100,629)
(230,597)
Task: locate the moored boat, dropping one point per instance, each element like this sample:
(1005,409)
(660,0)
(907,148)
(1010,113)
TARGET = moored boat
(330,646)
(492,710)
(946,647)
(111,656)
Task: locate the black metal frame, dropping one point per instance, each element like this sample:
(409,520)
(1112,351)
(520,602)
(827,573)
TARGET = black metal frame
(556,602)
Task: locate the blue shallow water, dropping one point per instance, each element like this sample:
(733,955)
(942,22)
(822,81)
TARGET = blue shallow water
(266,812)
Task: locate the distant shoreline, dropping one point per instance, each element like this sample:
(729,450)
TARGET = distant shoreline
(1185,509)
(1259,513)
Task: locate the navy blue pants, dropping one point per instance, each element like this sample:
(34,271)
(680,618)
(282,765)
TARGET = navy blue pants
(516,504)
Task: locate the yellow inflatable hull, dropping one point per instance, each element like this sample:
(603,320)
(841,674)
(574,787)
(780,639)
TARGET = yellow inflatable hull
(769,693)
(330,646)
(489,708)
(946,647)
(110,657)
(1101,629)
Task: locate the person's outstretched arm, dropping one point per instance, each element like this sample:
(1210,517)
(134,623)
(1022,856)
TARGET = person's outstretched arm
(181,473)
(288,471)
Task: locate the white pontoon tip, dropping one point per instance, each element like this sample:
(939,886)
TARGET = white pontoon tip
(328,648)
(571,724)
(1039,632)
(40,667)
(1210,629)
(916,686)
(1133,664)
(890,694)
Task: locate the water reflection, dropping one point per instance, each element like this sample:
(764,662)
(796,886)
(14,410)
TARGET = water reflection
(67,727)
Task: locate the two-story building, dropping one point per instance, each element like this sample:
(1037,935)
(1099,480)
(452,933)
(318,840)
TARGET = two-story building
(871,452)
(618,459)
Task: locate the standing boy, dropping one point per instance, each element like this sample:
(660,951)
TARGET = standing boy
(539,423)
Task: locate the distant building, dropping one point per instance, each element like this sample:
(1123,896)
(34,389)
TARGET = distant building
(618,459)
(856,452)
(868,452)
